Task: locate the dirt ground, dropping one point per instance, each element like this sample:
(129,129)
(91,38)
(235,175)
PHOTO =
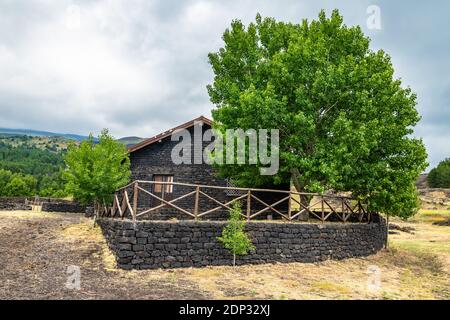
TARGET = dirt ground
(36,250)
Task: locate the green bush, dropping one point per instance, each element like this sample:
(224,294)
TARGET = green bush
(16,184)
(233,236)
(439,177)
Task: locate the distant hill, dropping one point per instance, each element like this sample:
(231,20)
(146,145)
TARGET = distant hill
(52,143)
(37,133)
(422,181)
(5,132)
(129,141)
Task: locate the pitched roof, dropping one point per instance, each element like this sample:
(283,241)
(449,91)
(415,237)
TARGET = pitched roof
(168,133)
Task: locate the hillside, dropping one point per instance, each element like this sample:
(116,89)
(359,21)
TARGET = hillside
(52,143)
(129,141)
(435,199)
(422,182)
(31,165)
(38,133)
(43,137)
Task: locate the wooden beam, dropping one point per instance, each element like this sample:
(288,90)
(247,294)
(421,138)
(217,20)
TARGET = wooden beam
(197,200)
(270,207)
(224,205)
(167,202)
(163,204)
(249,199)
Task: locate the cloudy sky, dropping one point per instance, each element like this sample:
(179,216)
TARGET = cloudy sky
(139,67)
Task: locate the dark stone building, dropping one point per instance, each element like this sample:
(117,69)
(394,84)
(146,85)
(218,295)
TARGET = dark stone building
(151,160)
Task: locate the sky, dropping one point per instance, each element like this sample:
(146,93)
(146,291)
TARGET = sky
(140,67)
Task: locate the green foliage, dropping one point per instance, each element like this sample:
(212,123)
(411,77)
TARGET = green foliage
(95,171)
(24,157)
(439,177)
(28,159)
(52,185)
(16,184)
(5,178)
(233,236)
(345,122)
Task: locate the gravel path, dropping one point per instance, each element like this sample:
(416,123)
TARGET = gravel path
(36,250)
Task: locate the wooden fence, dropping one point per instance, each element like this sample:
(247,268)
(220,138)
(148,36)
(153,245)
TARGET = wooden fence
(36,204)
(322,207)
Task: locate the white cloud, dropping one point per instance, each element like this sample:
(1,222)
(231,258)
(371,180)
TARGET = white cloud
(139,67)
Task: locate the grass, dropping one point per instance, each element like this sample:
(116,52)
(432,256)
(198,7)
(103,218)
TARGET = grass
(416,266)
(83,235)
(429,215)
(24,215)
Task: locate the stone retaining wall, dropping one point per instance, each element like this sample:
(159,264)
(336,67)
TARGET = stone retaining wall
(60,205)
(167,244)
(48,204)
(13,203)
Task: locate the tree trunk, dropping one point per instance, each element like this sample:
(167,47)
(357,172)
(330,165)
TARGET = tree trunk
(387,232)
(234,260)
(295,176)
(304,200)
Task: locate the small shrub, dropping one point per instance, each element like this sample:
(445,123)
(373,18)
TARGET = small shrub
(233,236)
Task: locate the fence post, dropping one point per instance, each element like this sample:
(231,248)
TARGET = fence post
(135,201)
(249,195)
(197,198)
(289,206)
(323,211)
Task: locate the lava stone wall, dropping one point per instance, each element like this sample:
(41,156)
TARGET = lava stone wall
(58,205)
(48,204)
(13,203)
(155,159)
(167,244)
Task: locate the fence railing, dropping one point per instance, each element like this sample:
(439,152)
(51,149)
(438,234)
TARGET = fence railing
(295,204)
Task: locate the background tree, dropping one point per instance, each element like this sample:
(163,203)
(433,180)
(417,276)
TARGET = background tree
(52,185)
(233,236)
(17,184)
(21,185)
(95,170)
(345,123)
(439,177)
(25,155)
(5,177)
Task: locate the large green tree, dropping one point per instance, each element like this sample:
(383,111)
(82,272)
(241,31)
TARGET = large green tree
(95,170)
(439,177)
(345,122)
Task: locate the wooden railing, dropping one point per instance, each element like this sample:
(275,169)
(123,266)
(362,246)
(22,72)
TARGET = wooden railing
(320,206)
(36,204)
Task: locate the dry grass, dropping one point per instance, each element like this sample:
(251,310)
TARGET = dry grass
(84,235)
(428,215)
(415,266)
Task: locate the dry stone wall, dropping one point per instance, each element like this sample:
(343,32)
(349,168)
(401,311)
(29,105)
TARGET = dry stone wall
(173,244)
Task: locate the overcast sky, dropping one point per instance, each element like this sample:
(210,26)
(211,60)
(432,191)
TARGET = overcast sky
(140,67)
